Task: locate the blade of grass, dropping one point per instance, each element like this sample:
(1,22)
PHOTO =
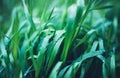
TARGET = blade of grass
(82,72)
(69,31)
(54,52)
(102,7)
(55,70)
(112,66)
(62,72)
(104,71)
(77,63)
(29,17)
(104,68)
(58,35)
(84,15)
(41,55)
(15,39)
(85,38)
(69,73)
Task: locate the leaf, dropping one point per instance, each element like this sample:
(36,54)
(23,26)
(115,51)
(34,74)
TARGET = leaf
(70,29)
(54,52)
(78,14)
(77,63)
(42,50)
(15,40)
(62,72)
(55,70)
(58,34)
(102,7)
(69,73)
(83,71)
(104,66)
(85,37)
(94,47)
(3,53)
(84,15)
(101,46)
(104,71)
(112,66)
(27,71)
(29,18)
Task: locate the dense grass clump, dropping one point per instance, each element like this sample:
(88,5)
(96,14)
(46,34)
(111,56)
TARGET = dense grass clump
(60,39)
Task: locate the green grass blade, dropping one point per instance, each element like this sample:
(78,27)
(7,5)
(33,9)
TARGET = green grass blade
(84,15)
(58,34)
(54,52)
(41,54)
(102,7)
(104,71)
(85,38)
(101,45)
(93,52)
(69,31)
(112,66)
(15,39)
(55,70)
(62,72)
(29,18)
(69,73)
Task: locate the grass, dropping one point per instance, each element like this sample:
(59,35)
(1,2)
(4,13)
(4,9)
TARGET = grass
(61,39)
